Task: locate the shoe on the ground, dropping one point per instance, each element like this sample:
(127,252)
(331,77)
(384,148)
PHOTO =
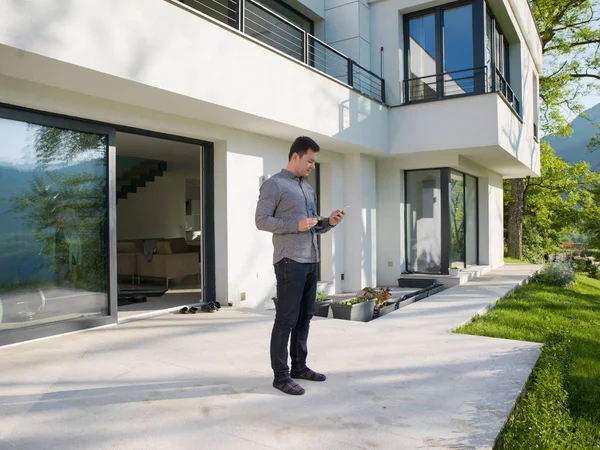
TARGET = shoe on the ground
(288,386)
(206,308)
(308,374)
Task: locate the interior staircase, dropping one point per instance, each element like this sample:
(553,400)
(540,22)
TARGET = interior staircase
(138,176)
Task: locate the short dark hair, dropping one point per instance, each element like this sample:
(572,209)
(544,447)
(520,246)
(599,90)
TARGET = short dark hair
(301,145)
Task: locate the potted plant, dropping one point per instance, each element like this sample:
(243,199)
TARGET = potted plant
(322,304)
(357,308)
(384,303)
(454,271)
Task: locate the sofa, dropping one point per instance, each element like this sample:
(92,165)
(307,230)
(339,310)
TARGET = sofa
(172,258)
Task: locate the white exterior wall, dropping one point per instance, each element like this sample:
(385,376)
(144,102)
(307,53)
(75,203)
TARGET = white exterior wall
(360,222)
(483,126)
(348,29)
(171,60)
(390,226)
(51,61)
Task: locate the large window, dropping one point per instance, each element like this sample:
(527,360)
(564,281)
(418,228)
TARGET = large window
(441,220)
(53,225)
(455,50)
(440,49)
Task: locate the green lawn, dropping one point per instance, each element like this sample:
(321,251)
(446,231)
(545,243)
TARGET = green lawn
(561,406)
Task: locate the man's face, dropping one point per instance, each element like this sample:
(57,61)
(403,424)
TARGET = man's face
(306,163)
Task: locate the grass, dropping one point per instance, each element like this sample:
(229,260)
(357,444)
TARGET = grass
(509,260)
(560,408)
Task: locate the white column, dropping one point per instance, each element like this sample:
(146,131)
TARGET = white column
(360,223)
(221,260)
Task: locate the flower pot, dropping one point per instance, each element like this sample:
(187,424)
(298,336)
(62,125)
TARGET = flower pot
(361,312)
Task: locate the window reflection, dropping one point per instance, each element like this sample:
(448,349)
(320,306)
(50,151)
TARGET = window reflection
(424,221)
(53,224)
(457,220)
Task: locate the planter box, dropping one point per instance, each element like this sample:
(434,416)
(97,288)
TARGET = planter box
(386,309)
(322,308)
(361,312)
(435,290)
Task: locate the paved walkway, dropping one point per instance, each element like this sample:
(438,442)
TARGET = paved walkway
(203,382)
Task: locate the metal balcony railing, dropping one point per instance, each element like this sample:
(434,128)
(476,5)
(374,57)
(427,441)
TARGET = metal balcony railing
(276,31)
(459,83)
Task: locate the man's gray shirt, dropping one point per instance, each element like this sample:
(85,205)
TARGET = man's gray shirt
(285,199)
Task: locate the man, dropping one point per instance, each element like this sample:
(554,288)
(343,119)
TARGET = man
(287,207)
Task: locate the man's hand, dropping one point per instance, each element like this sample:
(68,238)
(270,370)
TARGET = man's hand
(336,217)
(306,224)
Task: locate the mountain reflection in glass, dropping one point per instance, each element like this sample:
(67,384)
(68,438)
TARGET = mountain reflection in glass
(53,224)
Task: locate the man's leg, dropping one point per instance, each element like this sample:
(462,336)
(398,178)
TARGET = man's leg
(290,285)
(299,343)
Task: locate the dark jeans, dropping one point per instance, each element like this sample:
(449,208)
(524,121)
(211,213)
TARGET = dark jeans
(296,292)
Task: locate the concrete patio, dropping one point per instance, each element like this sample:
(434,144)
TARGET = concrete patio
(203,381)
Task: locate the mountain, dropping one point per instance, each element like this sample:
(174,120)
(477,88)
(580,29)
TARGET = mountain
(573,148)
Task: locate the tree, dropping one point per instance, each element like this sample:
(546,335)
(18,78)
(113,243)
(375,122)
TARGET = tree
(562,198)
(570,35)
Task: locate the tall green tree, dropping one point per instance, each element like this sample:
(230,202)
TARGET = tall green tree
(570,35)
(562,198)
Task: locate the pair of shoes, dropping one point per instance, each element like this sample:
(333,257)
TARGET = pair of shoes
(288,386)
(215,305)
(308,374)
(207,308)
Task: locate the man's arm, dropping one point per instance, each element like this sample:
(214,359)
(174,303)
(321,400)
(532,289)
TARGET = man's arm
(267,204)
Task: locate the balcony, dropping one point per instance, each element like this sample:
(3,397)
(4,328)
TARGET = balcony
(459,84)
(270,28)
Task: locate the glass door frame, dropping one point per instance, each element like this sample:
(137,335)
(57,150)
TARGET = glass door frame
(11,112)
(208,282)
(445,177)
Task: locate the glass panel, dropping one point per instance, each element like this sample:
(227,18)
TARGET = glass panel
(457,220)
(489,38)
(471,219)
(422,57)
(53,227)
(423,219)
(458,51)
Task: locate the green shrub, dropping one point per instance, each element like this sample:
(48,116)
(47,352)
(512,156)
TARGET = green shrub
(321,295)
(594,271)
(558,273)
(580,265)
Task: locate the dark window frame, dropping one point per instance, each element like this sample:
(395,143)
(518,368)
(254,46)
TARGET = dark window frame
(13,112)
(478,33)
(43,330)
(481,13)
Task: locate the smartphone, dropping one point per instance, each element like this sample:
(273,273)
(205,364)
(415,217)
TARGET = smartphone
(345,208)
